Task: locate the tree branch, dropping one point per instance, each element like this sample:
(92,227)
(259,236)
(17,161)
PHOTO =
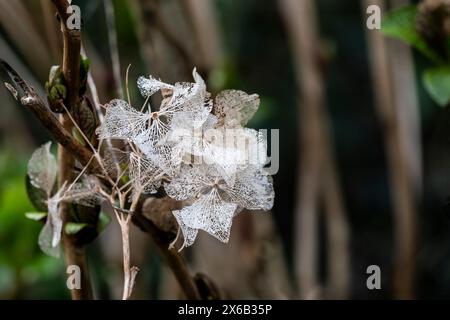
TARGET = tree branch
(74,253)
(27,96)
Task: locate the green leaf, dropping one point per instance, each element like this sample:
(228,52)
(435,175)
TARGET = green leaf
(36,216)
(401,24)
(437,83)
(72,228)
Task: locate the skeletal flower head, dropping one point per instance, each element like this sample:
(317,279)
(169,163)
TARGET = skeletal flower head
(200,145)
(190,99)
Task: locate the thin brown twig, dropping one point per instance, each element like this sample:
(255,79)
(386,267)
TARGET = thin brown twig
(403,191)
(152,19)
(113,46)
(318,173)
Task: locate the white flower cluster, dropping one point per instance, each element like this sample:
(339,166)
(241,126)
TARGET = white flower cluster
(211,161)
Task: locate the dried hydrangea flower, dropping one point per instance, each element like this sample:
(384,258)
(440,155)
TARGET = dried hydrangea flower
(211,160)
(228,149)
(147,129)
(233,150)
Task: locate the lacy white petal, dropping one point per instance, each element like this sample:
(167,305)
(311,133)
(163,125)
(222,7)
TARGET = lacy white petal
(150,86)
(253,189)
(209,213)
(42,168)
(188,183)
(239,148)
(145,175)
(148,139)
(189,234)
(122,121)
(251,145)
(190,98)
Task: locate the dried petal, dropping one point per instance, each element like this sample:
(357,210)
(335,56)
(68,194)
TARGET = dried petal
(150,86)
(189,183)
(50,235)
(122,121)
(209,213)
(235,108)
(190,98)
(42,169)
(253,189)
(146,176)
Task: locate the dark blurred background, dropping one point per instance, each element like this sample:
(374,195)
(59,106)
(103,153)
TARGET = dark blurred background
(247,45)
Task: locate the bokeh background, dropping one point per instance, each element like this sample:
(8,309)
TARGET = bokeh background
(296,64)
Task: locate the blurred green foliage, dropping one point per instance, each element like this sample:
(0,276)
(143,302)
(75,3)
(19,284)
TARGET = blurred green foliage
(25,272)
(406,24)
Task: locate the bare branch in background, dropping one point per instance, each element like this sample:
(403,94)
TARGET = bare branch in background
(51,28)
(158,40)
(317,168)
(338,232)
(20,27)
(397,152)
(113,47)
(408,110)
(207,35)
